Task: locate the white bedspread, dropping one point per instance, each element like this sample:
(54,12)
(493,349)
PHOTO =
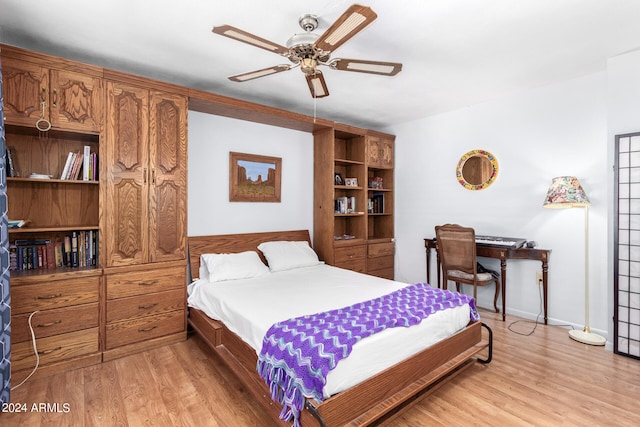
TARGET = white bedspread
(249,307)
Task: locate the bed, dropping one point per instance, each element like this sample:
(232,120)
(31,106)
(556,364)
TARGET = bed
(364,387)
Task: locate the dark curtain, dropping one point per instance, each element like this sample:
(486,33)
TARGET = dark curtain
(5,297)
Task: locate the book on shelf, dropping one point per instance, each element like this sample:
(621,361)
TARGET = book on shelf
(9,162)
(375,204)
(67,166)
(77,249)
(345,205)
(81,166)
(17,223)
(86,163)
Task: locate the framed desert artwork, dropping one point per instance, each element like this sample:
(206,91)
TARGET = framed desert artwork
(254,178)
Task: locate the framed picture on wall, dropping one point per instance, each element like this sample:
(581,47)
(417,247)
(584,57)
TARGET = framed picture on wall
(254,178)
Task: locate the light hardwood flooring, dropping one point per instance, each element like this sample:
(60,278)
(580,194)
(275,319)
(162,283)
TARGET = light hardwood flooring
(544,379)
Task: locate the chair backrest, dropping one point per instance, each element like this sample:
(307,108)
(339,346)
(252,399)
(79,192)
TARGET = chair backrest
(457,248)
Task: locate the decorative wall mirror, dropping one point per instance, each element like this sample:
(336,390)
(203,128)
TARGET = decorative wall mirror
(477,170)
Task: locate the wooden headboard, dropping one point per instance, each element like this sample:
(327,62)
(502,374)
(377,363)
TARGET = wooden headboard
(233,243)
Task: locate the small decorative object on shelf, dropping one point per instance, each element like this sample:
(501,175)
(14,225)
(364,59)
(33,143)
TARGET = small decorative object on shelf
(344,237)
(39,176)
(337,179)
(351,182)
(375,182)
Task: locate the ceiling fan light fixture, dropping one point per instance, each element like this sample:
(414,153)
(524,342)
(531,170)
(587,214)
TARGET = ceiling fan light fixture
(302,39)
(308,65)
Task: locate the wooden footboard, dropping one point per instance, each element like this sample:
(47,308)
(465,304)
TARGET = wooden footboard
(362,404)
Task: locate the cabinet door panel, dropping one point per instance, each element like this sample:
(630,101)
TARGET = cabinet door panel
(168,159)
(126,157)
(76,101)
(24,87)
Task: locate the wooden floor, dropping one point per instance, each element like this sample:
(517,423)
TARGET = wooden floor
(544,379)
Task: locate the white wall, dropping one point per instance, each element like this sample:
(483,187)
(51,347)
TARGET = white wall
(535,135)
(211,138)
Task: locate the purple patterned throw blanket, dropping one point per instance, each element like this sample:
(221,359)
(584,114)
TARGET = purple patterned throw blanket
(297,354)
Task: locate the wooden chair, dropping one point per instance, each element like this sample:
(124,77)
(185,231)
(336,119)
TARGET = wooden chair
(456,247)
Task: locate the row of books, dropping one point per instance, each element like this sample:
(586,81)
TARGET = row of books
(78,249)
(82,166)
(345,205)
(375,204)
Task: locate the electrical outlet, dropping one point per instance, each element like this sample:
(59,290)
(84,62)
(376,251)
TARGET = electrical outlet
(539,277)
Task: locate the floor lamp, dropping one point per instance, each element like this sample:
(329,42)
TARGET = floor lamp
(566,192)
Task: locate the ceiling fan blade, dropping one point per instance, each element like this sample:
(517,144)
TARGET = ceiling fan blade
(372,67)
(348,25)
(260,73)
(245,37)
(317,85)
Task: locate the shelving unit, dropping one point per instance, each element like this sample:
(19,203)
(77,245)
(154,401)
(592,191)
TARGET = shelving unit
(65,298)
(345,239)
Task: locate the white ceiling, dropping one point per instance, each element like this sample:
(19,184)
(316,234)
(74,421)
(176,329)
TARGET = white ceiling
(455,53)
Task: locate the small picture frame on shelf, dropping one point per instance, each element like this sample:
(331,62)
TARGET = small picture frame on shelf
(351,182)
(337,179)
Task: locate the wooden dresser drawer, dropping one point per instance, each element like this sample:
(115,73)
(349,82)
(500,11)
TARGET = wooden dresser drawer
(379,263)
(54,349)
(145,305)
(132,283)
(57,294)
(343,254)
(380,249)
(358,265)
(144,328)
(385,273)
(53,322)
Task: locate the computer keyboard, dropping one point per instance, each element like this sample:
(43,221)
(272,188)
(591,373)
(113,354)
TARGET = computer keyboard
(501,242)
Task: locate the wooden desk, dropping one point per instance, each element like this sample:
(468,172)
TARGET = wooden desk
(503,254)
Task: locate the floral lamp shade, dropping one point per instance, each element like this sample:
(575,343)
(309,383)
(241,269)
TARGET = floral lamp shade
(566,192)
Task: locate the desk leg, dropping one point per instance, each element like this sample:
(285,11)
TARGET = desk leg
(503,277)
(428,265)
(545,270)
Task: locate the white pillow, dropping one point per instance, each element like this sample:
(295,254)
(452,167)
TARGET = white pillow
(283,255)
(243,265)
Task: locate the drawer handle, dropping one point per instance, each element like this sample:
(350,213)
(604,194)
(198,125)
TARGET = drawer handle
(149,283)
(151,328)
(145,307)
(43,352)
(49,296)
(46,325)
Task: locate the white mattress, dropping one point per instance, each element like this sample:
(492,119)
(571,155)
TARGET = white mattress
(249,307)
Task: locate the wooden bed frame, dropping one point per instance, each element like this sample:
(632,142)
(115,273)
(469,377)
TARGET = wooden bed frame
(360,405)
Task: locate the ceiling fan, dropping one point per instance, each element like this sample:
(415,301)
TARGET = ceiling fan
(308,50)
